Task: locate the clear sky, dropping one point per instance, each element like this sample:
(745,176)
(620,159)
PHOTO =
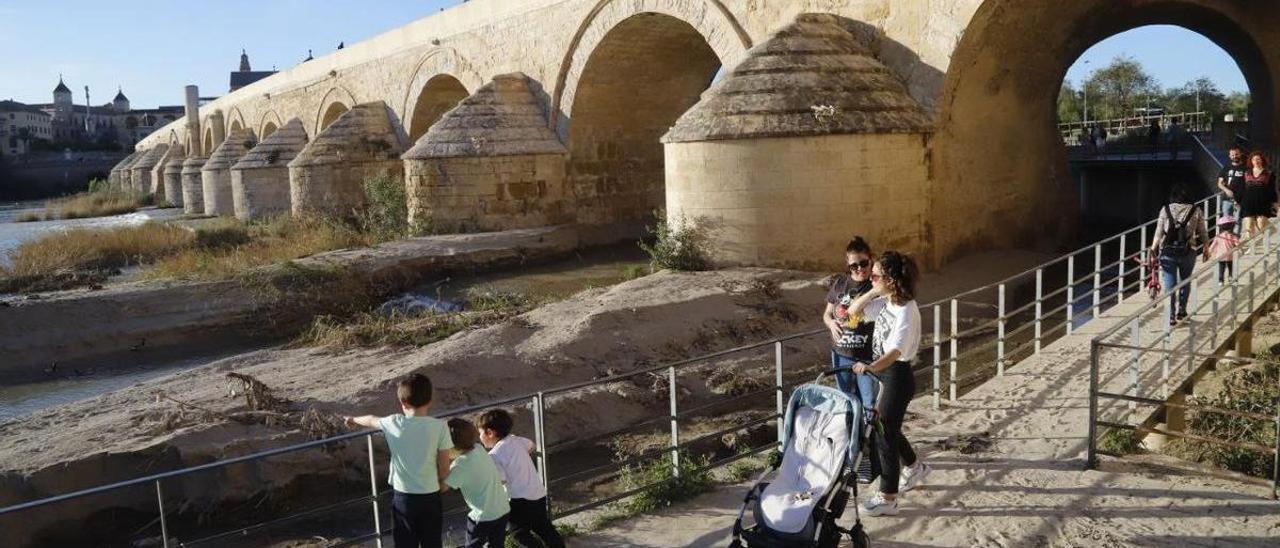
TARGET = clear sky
(1173,55)
(155,47)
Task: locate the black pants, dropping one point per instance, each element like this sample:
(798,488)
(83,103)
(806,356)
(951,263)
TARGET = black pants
(531,522)
(1224,270)
(897,387)
(491,533)
(417,520)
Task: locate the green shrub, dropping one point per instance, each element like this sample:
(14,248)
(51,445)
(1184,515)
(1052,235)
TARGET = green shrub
(666,489)
(222,237)
(678,246)
(1118,442)
(386,215)
(99,185)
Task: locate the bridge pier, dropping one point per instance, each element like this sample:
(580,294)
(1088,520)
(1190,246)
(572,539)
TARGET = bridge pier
(328,175)
(126,170)
(193,185)
(491,163)
(215,175)
(260,180)
(115,179)
(781,153)
(173,175)
(141,170)
(157,174)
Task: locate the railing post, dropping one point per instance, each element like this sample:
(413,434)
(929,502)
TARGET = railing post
(1213,336)
(1071,290)
(1252,306)
(1164,342)
(1275,464)
(1000,333)
(1135,357)
(373,491)
(1142,256)
(1091,458)
(937,356)
(955,344)
(1120,268)
(164,521)
(1039,307)
(1191,332)
(675,422)
(540,438)
(777,379)
(1097,280)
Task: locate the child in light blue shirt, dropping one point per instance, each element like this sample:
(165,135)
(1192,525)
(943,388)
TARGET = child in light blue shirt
(476,476)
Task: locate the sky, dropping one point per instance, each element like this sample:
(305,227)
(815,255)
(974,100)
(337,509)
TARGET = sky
(152,48)
(1173,55)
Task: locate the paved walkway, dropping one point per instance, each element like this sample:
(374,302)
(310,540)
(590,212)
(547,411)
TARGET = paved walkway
(1028,486)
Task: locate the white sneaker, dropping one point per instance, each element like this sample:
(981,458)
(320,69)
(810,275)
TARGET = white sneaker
(877,506)
(912,476)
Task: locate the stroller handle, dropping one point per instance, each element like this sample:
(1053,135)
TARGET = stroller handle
(833,371)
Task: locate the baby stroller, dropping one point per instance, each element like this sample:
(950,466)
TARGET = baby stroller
(813,481)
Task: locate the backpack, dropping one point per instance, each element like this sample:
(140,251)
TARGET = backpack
(1180,244)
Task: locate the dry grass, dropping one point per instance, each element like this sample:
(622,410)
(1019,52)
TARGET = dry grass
(81,249)
(101,203)
(227,251)
(29,217)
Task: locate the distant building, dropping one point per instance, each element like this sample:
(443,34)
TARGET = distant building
(20,125)
(114,123)
(246,75)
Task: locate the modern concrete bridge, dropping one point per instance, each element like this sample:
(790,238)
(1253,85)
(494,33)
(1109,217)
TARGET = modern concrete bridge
(926,125)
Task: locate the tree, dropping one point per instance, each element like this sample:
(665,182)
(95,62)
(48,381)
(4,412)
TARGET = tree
(1069,104)
(1121,87)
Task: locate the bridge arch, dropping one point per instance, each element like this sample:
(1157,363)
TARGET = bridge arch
(335,102)
(999,103)
(642,74)
(269,123)
(441,79)
(207,143)
(235,120)
(710,18)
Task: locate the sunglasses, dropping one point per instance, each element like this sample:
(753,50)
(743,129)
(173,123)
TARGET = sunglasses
(859,265)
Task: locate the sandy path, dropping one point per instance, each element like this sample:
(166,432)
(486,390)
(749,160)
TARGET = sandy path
(1029,487)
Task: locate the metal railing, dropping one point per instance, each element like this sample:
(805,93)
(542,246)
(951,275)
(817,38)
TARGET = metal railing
(1188,121)
(1161,367)
(1163,152)
(1001,324)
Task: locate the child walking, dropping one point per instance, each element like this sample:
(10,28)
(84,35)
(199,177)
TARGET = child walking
(420,447)
(1223,248)
(530,521)
(476,476)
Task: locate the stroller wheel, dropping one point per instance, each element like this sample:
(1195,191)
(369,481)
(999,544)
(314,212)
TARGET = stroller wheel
(858,536)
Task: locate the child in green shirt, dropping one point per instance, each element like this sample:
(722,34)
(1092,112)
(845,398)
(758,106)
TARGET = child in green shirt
(420,453)
(476,476)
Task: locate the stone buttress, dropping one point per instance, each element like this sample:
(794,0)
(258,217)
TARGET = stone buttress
(126,170)
(328,175)
(193,185)
(157,174)
(492,163)
(115,179)
(216,174)
(173,175)
(141,169)
(260,180)
(807,142)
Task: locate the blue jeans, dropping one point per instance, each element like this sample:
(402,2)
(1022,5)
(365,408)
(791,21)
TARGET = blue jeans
(865,387)
(1173,270)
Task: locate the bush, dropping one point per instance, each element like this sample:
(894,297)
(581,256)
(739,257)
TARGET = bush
(101,202)
(1251,390)
(667,488)
(386,216)
(99,185)
(1118,442)
(676,247)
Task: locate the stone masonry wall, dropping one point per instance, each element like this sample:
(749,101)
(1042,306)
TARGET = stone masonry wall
(487,194)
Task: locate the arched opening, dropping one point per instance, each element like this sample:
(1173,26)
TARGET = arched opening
(647,71)
(268,129)
(207,144)
(235,126)
(330,114)
(998,149)
(441,94)
(1142,112)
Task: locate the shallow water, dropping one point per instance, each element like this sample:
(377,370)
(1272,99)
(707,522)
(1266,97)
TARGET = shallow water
(13,234)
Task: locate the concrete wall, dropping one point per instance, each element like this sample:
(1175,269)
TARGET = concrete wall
(770,201)
(483,194)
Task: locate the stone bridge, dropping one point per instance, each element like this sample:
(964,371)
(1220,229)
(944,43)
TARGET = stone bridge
(783,126)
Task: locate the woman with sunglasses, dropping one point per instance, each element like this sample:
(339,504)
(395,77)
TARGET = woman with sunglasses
(851,336)
(894,345)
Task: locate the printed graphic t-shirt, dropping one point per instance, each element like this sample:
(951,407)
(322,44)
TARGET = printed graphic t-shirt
(855,333)
(897,328)
(1233,177)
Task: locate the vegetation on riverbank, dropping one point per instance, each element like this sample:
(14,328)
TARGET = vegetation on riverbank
(98,201)
(1251,389)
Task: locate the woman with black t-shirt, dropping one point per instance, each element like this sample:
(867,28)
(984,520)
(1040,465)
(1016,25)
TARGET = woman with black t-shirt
(1258,196)
(851,335)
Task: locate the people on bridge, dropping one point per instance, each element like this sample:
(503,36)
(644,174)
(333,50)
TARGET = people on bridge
(894,345)
(1231,180)
(851,333)
(1257,196)
(1180,235)
(1223,247)
(1153,136)
(1174,137)
(420,457)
